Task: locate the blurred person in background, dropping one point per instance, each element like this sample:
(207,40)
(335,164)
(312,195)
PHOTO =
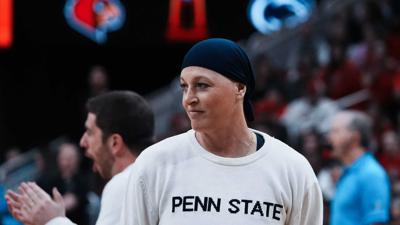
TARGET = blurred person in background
(395,211)
(389,156)
(311,112)
(98,81)
(311,147)
(362,193)
(69,181)
(12,153)
(119,125)
(327,178)
(340,76)
(5,216)
(268,76)
(267,115)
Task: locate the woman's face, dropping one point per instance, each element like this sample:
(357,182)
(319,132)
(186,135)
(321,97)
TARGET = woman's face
(210,100)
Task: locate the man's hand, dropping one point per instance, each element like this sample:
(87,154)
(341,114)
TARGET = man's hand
(14,204)
(70,201)
(34,206)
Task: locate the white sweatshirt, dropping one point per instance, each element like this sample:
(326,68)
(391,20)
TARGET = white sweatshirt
(111,202)
(176,181)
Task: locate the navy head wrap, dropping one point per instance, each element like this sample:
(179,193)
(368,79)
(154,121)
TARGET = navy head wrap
(228,59)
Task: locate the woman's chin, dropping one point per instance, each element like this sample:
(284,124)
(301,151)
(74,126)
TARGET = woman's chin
(197,126)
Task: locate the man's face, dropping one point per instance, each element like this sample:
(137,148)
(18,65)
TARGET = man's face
(340,136)
(96,149)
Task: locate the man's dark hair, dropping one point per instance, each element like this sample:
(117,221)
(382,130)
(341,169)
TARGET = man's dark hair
(125,113)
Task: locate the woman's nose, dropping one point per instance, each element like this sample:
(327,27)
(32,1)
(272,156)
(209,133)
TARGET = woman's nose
(190,97)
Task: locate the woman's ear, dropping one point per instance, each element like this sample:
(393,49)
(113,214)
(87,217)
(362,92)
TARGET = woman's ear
(241,89)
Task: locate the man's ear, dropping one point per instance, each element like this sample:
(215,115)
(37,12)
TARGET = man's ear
(116,143)
(356,136)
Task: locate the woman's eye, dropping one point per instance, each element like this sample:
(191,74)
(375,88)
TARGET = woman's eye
(183,86)
(202,85)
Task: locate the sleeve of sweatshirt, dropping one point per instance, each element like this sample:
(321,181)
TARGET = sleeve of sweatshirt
(138,208)
(312,206)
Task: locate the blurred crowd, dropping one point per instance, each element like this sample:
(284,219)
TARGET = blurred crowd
(60,163)
(349,61)
(352,61)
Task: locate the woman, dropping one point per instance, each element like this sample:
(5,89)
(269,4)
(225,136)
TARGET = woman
(221,171)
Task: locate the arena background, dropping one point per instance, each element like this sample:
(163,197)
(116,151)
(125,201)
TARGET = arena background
(47,66)
(44,81)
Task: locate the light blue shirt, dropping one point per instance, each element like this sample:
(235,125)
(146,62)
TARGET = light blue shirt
(6,218)
(362,194)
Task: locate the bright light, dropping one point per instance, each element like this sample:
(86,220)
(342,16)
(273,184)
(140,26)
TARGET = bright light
(268,16)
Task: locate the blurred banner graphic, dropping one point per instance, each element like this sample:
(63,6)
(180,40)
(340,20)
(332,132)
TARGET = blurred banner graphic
(269,16)
(6,23)
(95,18)
(187,20)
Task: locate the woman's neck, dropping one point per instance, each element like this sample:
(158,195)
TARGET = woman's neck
(232,141)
